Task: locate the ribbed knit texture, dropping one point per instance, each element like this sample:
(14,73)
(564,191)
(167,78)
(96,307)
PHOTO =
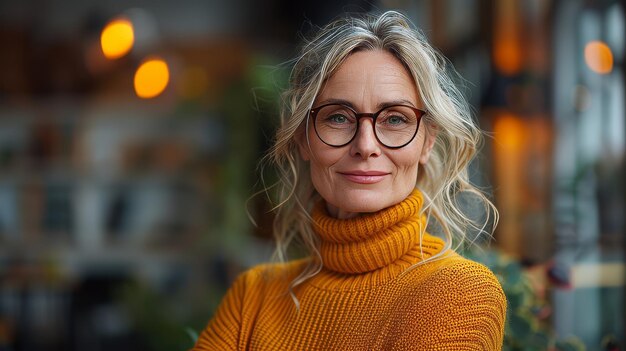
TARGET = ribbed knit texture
(365,297)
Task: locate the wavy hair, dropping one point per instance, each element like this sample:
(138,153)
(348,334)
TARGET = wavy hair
(441,180)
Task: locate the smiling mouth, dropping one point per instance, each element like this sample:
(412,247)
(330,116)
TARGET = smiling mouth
(360,177)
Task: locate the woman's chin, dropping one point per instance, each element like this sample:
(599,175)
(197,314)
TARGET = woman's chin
(351,203)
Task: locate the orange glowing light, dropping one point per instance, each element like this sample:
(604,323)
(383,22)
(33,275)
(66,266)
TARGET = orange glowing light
(151,78)
(599,57)
(117,38)
(507,56)
(510,132)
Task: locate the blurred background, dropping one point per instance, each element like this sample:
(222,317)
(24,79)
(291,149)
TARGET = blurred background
(130,132)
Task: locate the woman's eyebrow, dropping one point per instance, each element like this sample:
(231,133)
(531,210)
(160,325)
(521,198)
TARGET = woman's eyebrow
(380,106)
(336,101)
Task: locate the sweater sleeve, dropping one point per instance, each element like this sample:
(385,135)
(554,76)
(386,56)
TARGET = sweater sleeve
(224,329)
(462,308)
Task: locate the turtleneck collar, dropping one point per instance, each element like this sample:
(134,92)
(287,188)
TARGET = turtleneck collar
(375,240)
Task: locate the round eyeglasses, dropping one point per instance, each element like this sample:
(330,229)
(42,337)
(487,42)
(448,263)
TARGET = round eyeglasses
(394,126)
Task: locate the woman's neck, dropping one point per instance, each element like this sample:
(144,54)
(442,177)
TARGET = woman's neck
(338,213)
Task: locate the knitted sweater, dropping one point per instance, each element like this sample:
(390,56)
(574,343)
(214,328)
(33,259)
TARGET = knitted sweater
(365,297)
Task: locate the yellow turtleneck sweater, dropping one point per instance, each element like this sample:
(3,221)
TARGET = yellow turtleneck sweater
(364,298)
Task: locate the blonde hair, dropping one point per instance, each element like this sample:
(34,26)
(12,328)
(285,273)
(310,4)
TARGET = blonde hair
(441,180)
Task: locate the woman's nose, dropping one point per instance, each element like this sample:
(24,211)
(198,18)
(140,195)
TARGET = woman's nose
(365,144)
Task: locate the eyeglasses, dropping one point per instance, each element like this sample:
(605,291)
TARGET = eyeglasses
(394,126)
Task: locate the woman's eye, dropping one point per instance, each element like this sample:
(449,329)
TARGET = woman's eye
(395,120)
(337,118)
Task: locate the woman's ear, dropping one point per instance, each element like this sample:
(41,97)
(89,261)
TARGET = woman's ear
(430,136)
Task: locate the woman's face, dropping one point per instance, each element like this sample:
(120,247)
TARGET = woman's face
(365,176)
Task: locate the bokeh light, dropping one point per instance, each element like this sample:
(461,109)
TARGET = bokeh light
(598,57)
(117,38)
(507,55)
(507,49)
(151,78)
(510,132)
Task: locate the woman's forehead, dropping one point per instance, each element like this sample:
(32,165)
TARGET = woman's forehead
(370,78)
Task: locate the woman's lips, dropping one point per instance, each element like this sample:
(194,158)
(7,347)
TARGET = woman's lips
(364,177)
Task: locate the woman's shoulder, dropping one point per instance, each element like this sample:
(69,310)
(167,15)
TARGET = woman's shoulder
(461,276)
(460,267)
(461,289)
(460,304)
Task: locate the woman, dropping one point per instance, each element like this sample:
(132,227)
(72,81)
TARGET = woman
(373,146)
